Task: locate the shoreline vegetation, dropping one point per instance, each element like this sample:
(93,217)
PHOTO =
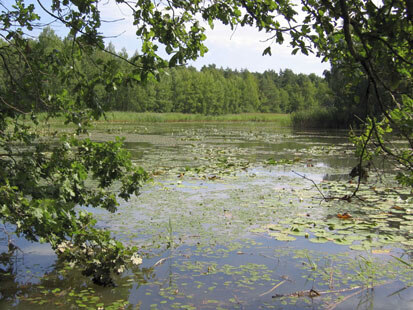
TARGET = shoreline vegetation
(319,119)
(209,94)
(152,117)
(316,119)
(284,120)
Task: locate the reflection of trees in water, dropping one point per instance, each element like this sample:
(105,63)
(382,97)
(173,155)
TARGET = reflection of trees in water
(336,177)
(15,293)
(9,286)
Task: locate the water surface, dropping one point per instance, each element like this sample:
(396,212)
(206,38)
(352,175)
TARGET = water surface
(232,220)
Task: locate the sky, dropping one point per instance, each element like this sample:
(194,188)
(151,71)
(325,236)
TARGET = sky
(243,49)
(239,49)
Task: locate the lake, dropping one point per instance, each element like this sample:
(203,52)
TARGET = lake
(234,218)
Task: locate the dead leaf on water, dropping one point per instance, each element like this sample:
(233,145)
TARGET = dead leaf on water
(382,251)
(344,216)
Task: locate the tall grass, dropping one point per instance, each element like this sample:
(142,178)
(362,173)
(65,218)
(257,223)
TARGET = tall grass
(283,120)
(322,118)
(150,117)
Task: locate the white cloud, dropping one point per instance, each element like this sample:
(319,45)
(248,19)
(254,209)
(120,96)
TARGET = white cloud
(239,49)
(243,48)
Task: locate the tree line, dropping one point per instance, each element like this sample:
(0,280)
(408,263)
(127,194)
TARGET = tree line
(331,101)
(215,91)
(210,91)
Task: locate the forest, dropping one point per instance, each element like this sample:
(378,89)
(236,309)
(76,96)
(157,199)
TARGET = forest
(315,101)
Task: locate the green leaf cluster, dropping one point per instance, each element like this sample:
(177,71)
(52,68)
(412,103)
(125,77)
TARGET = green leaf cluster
(43,181)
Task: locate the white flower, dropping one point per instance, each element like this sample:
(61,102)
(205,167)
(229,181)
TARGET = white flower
(63,246)
(136,259)
(121,269)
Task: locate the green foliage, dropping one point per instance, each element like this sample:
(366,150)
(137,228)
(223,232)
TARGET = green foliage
(211,91)
(377,140)
(214,91)
(41,189)
(46,182)
(43,181)
(369,47)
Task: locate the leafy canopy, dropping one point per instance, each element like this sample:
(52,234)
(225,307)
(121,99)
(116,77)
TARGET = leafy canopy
(43,180)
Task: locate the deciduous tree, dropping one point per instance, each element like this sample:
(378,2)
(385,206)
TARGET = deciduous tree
(41,183)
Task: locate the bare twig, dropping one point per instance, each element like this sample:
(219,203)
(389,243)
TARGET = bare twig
(398,291)
(312,181)
(102,48)
(12,107)
(314,293)
(12,247)
(333,306)
(112,21)
(307,293)
(161,261)
(273,288)
(331,283)
(329,198)
(360,164)
(237,300)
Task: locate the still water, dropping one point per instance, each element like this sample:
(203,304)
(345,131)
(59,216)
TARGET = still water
(233,218)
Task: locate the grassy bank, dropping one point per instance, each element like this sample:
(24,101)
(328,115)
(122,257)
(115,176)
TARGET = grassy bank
(119,118)
(149,117)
